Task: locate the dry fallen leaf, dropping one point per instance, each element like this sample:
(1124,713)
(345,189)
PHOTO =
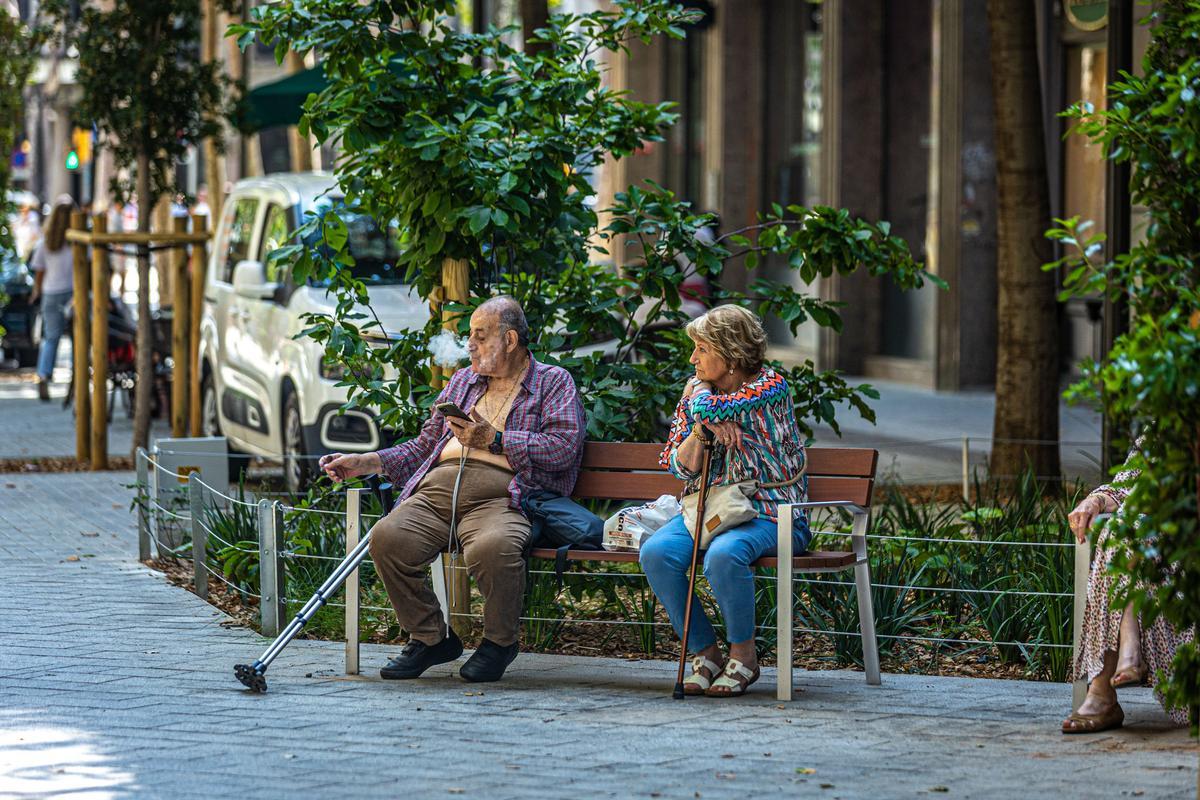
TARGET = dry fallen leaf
(826,785)
(727,755)
(939,788)
(456,790)
(72,558)
(90,534)
(805,771)
(727,775)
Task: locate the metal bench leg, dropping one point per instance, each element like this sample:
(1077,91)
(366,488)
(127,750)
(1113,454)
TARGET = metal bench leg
(438,571)
(783,606)
(866,609)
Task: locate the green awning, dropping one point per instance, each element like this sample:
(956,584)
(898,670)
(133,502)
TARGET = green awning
(280,102)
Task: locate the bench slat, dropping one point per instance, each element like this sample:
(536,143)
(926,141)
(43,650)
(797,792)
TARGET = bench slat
(622,455)
(844,462)
(855,490)
(626,485)
(814,559)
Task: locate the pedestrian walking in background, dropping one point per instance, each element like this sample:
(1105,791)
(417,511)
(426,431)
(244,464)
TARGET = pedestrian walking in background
(53,283)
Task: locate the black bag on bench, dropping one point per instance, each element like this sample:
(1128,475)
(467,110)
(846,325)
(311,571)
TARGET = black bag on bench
(559,522)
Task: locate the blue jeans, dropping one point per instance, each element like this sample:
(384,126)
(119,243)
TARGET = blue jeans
(54,322)
(667,555)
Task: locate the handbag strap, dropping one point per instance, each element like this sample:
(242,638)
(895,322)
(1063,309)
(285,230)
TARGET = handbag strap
(788,482)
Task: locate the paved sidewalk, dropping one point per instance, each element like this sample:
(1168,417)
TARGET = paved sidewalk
(114,683)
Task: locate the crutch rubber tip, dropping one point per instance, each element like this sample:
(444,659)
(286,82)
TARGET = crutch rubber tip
(250,677)
(678,694)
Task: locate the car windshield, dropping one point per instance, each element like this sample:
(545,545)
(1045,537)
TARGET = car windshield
(375,251)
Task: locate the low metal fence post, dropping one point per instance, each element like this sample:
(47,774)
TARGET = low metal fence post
(270,567)
(353,529)
(143,504)
(152,501)
(199,536)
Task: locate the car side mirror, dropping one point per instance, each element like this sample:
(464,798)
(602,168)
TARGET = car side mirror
(250,280)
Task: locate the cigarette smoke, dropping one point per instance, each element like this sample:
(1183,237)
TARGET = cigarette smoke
(448,350)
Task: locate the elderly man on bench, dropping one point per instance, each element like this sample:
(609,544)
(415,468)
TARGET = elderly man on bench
(505,427)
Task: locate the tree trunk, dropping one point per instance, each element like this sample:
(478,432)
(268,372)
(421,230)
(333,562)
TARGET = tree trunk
(1027,313)
(534,14)
(214,162)
(301,146)
(145,362)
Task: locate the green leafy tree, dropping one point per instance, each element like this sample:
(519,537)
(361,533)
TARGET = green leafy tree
(1151,377)
(18,51)
(482,152)
(143,85)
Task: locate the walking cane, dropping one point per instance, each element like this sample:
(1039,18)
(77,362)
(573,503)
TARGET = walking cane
(706,438)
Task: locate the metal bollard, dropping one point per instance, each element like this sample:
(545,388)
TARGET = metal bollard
(270,567)
(152,500)
(199,537)
(143,505)
(353,529)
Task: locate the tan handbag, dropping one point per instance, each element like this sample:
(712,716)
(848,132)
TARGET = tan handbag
(727,506)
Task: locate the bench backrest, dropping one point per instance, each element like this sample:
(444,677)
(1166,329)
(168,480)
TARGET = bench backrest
(630,471)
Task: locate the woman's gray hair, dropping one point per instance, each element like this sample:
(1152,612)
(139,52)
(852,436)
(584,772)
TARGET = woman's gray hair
(735,333)
(511,316)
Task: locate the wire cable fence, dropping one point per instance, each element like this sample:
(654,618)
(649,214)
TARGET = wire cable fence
(210,506)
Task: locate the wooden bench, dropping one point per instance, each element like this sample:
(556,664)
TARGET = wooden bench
(841,477)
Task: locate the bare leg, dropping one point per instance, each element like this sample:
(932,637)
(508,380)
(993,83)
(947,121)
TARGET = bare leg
(1101,697)
(1129,650)
(745,653)
(712,653)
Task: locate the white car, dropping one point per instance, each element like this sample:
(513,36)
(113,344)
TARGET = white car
(268,392)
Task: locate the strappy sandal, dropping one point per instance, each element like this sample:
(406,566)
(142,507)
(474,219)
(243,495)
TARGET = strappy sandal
(1094,723)
(1129,677)
(733,681)
(697,683)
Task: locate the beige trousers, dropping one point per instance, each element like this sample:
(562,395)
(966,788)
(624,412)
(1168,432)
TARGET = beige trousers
(492,536)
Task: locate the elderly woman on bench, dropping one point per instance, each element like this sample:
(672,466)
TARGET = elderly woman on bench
(1116,650)
(748,409)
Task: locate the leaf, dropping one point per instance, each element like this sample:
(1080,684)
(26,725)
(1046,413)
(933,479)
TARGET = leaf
(478,218)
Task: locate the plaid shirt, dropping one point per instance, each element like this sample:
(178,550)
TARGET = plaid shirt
(543,436)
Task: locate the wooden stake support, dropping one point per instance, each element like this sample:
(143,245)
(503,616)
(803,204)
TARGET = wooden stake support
(80,343)
(181,324)
(101,288)
(199,270)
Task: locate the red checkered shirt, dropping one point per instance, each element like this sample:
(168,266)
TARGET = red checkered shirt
(543,436)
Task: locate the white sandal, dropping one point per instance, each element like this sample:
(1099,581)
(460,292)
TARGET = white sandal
(696,683)
(728,682)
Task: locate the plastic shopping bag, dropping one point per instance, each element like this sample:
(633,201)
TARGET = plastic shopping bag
(630,527)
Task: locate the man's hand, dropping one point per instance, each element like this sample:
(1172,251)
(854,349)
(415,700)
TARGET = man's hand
(34,295)
(1084,515)
(343,466)
(476,432)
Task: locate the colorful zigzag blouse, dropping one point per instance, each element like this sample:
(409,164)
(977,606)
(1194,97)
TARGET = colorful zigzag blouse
(772,448)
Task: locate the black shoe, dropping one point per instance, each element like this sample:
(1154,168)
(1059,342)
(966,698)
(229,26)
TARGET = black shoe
(489,661)
(416,657)
(43,390)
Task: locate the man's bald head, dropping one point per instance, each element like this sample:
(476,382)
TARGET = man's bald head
(509,315)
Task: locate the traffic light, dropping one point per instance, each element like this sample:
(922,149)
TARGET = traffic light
(72,160)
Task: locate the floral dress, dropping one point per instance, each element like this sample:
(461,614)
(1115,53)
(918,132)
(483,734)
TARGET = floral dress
(1102,624)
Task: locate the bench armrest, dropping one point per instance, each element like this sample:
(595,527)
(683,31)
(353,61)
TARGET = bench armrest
(854,508)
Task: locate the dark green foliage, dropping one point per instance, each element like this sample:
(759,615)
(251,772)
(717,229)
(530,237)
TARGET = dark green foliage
(142,84)
(1151,377)
(18,50)
(490,164)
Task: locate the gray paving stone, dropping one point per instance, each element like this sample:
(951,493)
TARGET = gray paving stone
(115,683)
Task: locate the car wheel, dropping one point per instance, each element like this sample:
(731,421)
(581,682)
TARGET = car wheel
(297,468)
(210,425)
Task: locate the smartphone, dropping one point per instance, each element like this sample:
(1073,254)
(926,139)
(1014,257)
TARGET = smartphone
(451,410)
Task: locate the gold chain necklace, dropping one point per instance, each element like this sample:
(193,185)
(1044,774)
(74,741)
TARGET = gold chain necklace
(488,415)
